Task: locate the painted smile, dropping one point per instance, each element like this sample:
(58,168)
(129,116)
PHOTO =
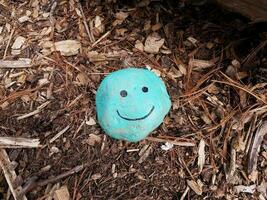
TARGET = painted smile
(136,119)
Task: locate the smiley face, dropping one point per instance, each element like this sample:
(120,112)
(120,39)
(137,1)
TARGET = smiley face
(123,93)
(131,103)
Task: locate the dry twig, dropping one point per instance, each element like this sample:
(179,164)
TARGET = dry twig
(10,175)
(186,144)
(257,140)
(15,142)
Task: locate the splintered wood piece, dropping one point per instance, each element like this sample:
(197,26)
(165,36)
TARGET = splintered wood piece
(199,65)
(13,64)
(62,193)
(59,134)
(15,142)
(178,143)
(255,10)
(253,152)
(10,175)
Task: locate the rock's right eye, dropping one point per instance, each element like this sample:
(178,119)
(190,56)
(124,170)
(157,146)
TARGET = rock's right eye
(123,93)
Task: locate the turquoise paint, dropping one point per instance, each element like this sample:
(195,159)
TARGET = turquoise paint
(131,103)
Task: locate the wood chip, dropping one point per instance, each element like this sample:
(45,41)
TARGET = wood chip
(10,175)
(94,56)
(210,45)
(98,25)
(156,27)
(67,47)
(120,17)
(245,189)
(167,146)
(196,187)
(24,18)
(178,143)
(13,64)
(199,65)
(96,176)
(90,122)
(182,69)
(201,155)
(145,154)
(59,134)
(82,79)
(38,110)
(153,43)
(121,31)
(192,40)
(253,152)
(15,142)
(139,45)
(62,193)
(19,41)
(93,139)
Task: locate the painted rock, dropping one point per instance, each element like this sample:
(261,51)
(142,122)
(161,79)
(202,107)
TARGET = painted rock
(131,103)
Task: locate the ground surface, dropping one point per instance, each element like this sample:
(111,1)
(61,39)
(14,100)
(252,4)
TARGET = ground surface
(214,66)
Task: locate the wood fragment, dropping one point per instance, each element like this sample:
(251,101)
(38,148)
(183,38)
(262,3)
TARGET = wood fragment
(242,88)
(14,64)
(247,61)
(101,38)
(10,175)
(245,189)
(185,193)
(195,186)
(15,142)
(199,65)
(38,110)
(8,43)
(59,134)
(89,33)
(42,183)
(145,154)
(201,155)
(255,10)
(253,152)
(186,144)
(62,193)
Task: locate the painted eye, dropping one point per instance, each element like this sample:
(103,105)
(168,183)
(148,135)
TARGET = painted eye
(123,93)
(145,89)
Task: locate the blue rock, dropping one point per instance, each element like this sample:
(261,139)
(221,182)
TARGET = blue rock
(131,103)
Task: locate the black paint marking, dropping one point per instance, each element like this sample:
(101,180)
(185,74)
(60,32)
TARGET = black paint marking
(136,119)
(123,93)
(145,89)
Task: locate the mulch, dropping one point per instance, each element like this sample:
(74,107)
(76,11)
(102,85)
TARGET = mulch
(211,145)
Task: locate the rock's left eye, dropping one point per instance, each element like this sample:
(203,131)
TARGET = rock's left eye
(145,89)
(123,93)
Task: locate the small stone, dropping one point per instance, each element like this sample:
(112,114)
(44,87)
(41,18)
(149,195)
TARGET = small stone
(131,103)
